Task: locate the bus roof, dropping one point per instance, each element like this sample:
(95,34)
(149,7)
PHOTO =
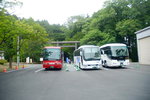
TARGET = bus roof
(113,44)
(85,46)
(53,47)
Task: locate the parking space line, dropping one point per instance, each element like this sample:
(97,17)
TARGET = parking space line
(39,70)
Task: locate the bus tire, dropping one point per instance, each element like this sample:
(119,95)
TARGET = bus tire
(59,68)
(105,63)
(46,68)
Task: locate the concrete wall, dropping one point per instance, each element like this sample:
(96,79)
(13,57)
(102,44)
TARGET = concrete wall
(144,50)
(143,42)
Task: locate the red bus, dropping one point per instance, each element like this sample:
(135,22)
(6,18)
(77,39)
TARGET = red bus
(52,57)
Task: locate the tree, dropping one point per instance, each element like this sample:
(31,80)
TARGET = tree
(55,32)
(119,19)
(75,25)
(34,44)
(11,28)
(126,29)
(96,37)
(32,37)
(6,23)
(10,5)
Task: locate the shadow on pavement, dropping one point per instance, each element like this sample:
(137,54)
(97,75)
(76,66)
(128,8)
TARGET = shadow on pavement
(116,67)
(53,69)
(91,69)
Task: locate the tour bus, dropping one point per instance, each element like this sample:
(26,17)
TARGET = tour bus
(114,55)
(87,57)
(52,57)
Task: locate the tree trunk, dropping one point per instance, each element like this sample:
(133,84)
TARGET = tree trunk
(10,62)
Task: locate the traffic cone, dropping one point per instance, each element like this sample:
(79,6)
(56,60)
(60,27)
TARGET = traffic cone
(16,68)
(23,66)
(4,70)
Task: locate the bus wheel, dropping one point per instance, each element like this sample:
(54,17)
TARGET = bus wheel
(46,68)
(59,68)
(105,63)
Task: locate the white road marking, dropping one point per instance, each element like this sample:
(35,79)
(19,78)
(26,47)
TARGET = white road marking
(39,70)
(11,71)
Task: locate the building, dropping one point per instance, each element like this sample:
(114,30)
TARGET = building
(143,44)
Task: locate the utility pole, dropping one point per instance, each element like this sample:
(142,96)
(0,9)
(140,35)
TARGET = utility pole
(18,58)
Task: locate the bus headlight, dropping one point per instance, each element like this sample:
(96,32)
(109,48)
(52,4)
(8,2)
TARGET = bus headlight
(58,63)
(45,63)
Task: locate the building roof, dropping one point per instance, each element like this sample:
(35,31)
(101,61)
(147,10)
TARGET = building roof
(143,33)
(147,28)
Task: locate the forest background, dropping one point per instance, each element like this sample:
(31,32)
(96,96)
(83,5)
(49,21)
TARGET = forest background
(116,22)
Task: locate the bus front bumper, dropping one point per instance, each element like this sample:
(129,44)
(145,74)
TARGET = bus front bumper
(116,63)
(94,66)
(52,66)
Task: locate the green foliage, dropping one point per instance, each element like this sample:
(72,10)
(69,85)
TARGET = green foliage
(32,45)
(32,37)
(2,61)
(10,4)
(55,32)
(75,26)
(127,27)
(96,37)
(116,22)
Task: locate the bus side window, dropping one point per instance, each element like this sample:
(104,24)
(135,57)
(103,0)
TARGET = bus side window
(102,52)
(107,51)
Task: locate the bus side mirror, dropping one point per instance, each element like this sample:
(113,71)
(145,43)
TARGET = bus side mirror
(80,53)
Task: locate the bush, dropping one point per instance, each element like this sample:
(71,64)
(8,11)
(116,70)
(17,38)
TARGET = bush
(2,61)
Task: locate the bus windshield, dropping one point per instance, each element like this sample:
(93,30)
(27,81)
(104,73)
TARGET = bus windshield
(118,51)
(91,53)
(52,54)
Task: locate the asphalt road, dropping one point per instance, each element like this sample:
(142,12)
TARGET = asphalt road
(34,83)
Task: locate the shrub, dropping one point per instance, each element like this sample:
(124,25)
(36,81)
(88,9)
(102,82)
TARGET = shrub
(2,61)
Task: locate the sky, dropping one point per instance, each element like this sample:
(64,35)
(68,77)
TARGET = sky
(57,11)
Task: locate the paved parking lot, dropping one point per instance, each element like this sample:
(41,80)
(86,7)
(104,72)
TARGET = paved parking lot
(35,83)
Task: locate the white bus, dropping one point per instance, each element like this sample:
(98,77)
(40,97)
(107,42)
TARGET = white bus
(87,57)
(114,55)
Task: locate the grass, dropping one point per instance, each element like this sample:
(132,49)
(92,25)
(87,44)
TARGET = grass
(6,66)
